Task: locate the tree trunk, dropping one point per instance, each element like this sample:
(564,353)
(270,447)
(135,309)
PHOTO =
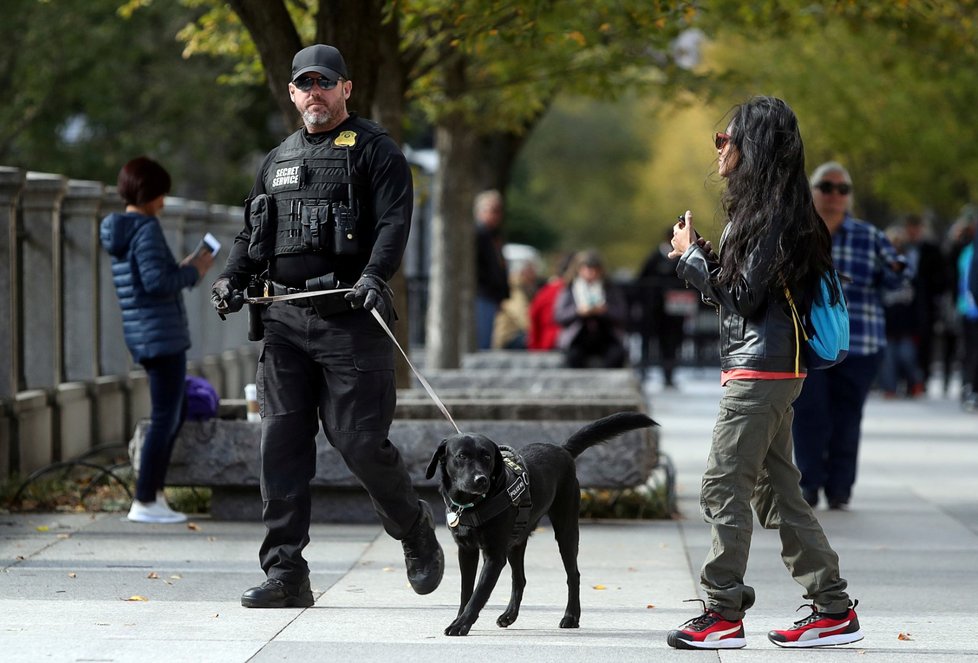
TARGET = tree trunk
(354,28)
(452,280)
(277,41)
(388,111)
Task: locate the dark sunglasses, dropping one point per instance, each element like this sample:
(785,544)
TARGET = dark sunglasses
(827,187)
(721,139)
(305,83)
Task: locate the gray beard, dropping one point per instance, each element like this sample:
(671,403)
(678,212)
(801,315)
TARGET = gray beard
(317,119)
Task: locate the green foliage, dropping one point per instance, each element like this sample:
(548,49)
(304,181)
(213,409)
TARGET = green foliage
(84,106)
(646,502)
(578,172)
(894,100)
(500,64)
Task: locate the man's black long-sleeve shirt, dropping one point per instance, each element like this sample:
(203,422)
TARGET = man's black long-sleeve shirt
(381,165)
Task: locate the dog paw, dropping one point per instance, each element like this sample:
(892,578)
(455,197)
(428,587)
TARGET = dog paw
(507,618)
(569,621)
(458,627)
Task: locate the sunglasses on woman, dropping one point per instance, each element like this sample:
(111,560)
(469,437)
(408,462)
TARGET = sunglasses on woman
(721,139)
(827,187)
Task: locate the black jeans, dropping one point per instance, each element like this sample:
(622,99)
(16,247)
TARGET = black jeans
(338,371)
(828,424)
(168,395)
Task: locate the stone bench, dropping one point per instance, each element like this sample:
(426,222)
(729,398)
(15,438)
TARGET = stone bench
(512,359)
(223,454)
(418,405)
(556,381)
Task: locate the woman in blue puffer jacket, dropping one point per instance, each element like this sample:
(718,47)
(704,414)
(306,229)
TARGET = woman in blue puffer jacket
(148,282)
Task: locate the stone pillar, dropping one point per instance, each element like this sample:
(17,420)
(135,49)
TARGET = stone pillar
(42,266)
(11,184)
(79,219)
(114,356)
(195,218)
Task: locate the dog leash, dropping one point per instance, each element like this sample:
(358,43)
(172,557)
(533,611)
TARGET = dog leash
(316,293)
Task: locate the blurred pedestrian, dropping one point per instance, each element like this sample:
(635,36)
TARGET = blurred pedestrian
(958,236)
(967,302)
(773,241)
(512,325)
(148,281)
(492,278)
(829,411)
(667,303)
(931,279)
(544,330)
(591,311)
(903,330)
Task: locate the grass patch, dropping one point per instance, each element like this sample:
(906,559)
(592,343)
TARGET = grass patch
(650,501)
(96,483)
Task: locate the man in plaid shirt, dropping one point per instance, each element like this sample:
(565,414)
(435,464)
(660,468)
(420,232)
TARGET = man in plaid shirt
(829,411)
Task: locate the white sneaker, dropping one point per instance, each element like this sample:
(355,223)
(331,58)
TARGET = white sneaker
(161,501)
(154,512)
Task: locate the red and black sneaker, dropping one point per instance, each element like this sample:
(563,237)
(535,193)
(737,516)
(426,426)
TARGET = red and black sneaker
(708,631)
(820,629)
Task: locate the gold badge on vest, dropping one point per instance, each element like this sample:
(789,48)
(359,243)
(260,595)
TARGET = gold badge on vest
(346,139)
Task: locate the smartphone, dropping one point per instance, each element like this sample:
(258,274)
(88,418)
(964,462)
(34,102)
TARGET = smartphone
(682,224)
(210,244)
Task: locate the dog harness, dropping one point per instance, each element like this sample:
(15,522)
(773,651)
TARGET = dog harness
(515,496)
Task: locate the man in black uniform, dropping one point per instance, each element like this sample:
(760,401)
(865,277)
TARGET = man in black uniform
(331,206)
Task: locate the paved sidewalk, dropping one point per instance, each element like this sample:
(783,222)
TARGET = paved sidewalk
(909,548)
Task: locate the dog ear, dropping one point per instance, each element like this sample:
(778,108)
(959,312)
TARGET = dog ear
(435,458)
(497,462)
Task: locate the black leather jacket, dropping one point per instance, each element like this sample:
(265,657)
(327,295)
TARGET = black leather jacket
(756,328)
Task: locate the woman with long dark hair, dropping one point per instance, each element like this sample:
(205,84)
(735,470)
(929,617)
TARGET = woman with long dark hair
(773,241)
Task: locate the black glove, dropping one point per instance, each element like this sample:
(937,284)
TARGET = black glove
(368,292)
(225,297)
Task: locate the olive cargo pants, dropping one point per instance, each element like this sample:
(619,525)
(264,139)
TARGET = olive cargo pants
(750,464)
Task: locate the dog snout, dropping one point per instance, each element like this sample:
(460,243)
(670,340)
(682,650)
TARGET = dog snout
(481,481)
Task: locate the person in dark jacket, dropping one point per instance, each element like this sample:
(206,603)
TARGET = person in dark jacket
(331,206)
(492,275)
(666,304)
(773,242)
(148,282)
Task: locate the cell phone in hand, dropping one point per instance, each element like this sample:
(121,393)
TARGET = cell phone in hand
(682,224)
(210,244)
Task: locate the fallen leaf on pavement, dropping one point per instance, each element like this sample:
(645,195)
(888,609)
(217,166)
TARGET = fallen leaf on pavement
(42,528)
(600,587)
(72,575)
(904,636)
(153,575)
(136,597)
(193,526)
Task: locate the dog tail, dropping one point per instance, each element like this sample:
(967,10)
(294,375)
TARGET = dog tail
(605,429)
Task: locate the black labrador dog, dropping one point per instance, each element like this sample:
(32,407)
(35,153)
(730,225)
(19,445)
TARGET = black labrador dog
(495,498)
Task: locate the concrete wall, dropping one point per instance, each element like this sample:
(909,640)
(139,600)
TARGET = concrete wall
(67,382)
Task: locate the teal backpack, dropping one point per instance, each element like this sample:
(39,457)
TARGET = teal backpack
(826,329)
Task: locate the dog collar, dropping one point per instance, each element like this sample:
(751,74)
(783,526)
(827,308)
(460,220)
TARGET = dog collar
(453,517)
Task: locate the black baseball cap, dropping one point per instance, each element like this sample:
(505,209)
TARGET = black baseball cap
(323,59)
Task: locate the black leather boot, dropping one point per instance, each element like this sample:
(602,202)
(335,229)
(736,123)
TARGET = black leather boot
(422,554)
(274,593)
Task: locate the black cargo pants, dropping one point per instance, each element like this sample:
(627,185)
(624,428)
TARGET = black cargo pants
(339,370)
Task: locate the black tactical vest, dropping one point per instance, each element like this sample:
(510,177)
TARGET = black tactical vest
(305,179)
